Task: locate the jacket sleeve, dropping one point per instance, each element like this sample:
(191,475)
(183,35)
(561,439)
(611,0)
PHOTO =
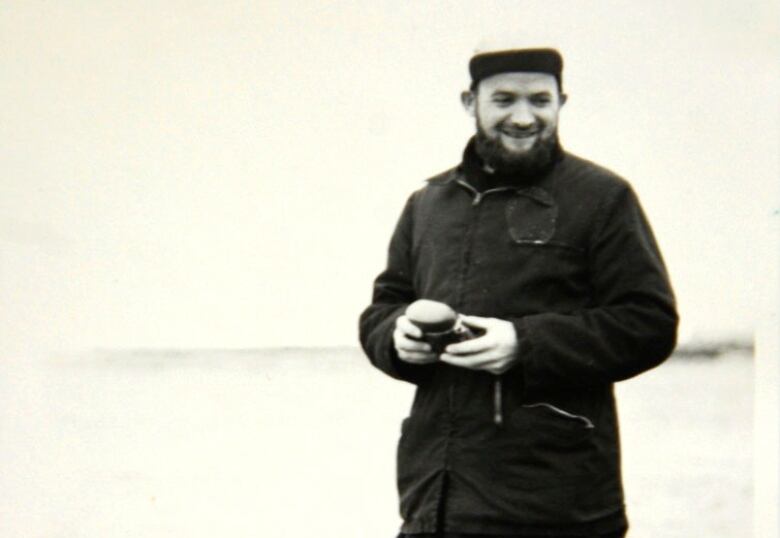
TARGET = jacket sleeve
(393,291)
(632,323)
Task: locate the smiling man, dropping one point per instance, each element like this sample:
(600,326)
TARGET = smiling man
(554,267)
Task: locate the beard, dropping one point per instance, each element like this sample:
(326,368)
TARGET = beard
(504,161)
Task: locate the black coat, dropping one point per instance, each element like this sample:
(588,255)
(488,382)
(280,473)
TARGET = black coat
(571,261)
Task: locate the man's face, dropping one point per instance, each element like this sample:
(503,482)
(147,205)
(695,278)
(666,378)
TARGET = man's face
(517,117)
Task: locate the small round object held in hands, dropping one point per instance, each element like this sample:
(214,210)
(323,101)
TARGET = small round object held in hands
(431,316)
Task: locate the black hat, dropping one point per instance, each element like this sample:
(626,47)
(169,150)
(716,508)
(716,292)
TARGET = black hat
(486,64)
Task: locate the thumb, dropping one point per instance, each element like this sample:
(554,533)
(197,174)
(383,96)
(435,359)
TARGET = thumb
(476,321)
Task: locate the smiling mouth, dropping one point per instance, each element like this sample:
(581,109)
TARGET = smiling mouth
(519,134)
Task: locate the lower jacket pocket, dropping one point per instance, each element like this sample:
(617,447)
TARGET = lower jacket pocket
(581,420)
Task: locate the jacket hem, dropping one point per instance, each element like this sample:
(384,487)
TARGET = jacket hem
(614,521)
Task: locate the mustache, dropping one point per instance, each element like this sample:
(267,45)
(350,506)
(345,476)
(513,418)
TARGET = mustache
(513,128)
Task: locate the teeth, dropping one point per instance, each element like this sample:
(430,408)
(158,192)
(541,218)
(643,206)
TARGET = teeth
(519,134)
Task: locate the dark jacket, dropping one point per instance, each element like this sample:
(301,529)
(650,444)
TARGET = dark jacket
(569,258)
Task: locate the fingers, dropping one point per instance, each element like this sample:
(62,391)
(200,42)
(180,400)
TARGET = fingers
(484,361)
(404,343)
(469,347)
(421,356)
(403,324)
(406,335)
(417,357)
(478,321)
(470,361)
(492,352)
(408,349)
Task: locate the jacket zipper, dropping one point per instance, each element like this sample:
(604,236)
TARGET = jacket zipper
(498,415)
(450,432)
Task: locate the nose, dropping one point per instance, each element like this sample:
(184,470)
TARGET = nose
(521,116)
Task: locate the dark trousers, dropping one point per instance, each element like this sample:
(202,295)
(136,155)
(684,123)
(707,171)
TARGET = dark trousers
(618,534)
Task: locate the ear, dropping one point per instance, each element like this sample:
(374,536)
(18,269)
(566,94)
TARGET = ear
(469,101)
(563,98)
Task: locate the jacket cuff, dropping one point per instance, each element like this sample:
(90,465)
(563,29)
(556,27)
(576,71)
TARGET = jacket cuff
(406,371)
(518,373)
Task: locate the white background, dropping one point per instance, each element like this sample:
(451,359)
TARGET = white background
(227,174)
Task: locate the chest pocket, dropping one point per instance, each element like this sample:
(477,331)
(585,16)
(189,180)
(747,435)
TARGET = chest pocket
(531,216)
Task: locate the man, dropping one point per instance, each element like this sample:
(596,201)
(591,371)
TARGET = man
(514,432)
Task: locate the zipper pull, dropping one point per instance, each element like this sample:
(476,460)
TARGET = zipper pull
(498,415)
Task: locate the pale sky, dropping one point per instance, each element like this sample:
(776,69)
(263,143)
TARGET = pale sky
(227,174)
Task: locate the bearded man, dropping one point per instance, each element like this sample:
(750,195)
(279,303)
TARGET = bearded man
(553,263)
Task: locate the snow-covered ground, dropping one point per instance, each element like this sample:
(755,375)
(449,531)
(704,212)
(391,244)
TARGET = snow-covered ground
(300,443)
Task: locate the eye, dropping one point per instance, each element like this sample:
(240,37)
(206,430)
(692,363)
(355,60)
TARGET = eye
(541,100)
(502,99)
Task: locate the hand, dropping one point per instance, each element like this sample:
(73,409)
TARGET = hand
(494,352)
(410,350)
